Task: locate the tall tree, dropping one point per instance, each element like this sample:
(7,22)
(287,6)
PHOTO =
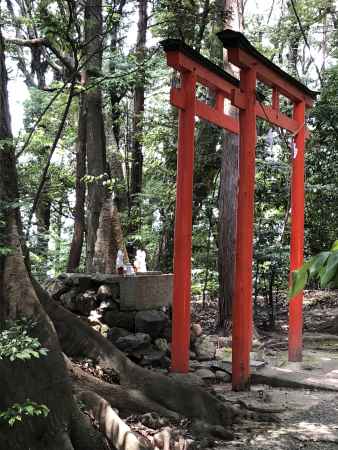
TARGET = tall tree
(95,133)
(80,187)
(227,199)
(139,93)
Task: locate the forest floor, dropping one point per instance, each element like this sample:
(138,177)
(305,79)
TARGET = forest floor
(301,418)
(290,406)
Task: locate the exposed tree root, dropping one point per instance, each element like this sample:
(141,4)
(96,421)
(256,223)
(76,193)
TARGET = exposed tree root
(78,339)
(114,428)
(127,401)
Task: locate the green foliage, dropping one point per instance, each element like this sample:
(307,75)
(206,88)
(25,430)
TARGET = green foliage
(323,267)
(17,344)
(15,413)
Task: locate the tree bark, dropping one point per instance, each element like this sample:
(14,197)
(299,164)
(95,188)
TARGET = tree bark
(137,157)
(109,239)
(227,199)
(80,189)
(96,145)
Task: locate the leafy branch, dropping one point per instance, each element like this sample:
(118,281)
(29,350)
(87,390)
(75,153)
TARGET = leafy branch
(322,267)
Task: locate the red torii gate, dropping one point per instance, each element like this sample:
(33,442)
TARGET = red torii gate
(253,65)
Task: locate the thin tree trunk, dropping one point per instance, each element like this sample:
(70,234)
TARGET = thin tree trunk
(80,190)
(137,159)
(42,214)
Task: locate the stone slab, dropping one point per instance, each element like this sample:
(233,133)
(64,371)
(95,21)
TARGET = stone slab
(143,292)
(285,377)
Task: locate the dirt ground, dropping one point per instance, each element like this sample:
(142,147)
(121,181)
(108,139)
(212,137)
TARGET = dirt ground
(290,405)
(306,417)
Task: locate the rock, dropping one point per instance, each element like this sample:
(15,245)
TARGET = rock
(151,322)
(167,331)
(165,363)
(104,293)
(205,349)
(153,358)
(162,345)
(192,355)
(120,319)
(205,374)
(85,303)
(133,342)
(108,305)
(97,328)
(223,376)
(196,330)
(79,303)
(56,287)
(82,281)
(115,333)
(189,378)
(104,330)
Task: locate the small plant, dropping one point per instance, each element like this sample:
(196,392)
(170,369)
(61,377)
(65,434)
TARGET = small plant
(323,267)
(16,343)
(17,411)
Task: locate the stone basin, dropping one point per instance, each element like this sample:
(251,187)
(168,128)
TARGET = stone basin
(142,291)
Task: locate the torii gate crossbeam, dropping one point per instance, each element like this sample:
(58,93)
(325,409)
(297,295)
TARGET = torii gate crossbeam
(194,69)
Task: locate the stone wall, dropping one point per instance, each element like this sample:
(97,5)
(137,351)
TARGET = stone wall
(131,311)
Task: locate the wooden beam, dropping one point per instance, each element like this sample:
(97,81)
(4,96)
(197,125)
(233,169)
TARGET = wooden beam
(210,114)
(182,63)
(241,59)
(204,111)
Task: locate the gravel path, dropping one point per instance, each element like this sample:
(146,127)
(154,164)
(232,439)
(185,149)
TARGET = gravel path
(310,423)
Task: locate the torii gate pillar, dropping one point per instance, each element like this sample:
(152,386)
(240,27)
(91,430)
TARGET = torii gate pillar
(242,317)
(183,229)
(297,234)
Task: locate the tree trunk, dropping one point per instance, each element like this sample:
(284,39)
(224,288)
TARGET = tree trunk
(43,380)
(109,239)
(96,145)
(227,199)
(80,190)
(227,204)
(116,94)
(137,158)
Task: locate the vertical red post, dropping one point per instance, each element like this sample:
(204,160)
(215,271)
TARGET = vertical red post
(242,307)
(183,228)
(297,233)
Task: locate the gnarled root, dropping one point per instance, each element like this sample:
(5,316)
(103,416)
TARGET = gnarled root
(79,339)
(127,401)
(114,428)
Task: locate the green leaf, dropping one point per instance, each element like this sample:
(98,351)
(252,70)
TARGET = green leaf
(30,410)
(316,263)
(330,269)
(299,278)
(334,246)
